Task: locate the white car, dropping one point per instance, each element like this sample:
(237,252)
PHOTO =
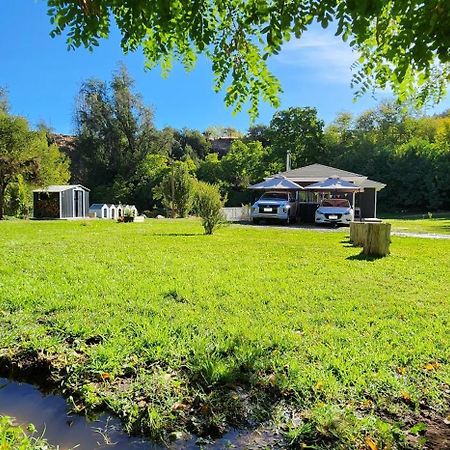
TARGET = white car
(280,206)
(335,211)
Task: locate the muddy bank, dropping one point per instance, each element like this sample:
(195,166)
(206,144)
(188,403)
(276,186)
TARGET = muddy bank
(52,414)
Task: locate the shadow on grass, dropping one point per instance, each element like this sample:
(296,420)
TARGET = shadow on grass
(347,243)
(363,257)
(176,234)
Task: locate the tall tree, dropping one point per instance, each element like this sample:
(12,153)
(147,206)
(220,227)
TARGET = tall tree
(196,141)
(300,132)
(150,174)
(245,163)
(259,133)
(177,189)
(4,102)
(114,131)
(402,44)
(26,156)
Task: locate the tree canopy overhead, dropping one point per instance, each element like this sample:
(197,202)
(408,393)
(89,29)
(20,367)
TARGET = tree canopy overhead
(403,44)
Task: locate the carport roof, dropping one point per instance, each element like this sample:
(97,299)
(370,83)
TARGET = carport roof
(334,184)
(277,182)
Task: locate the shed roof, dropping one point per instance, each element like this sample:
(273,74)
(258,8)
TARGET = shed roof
(60,188)
(97,205)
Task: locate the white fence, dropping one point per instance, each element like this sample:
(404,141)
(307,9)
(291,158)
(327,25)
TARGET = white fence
(241,213)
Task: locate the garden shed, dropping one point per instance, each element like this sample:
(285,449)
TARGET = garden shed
(61,202)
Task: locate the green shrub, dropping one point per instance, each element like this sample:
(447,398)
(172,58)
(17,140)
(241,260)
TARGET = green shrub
(128,215)
(208,206)
(19,199)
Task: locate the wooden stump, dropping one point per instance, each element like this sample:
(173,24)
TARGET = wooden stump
(358,233)
(378,239)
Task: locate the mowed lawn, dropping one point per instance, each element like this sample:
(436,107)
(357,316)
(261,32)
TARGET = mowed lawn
(437,224)
(174,330)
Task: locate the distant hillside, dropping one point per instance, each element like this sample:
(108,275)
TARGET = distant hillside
(67,144)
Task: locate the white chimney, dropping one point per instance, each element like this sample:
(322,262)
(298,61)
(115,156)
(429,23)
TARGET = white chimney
(288,160)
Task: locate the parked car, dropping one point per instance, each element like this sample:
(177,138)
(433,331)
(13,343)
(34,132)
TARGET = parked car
(280,206)
(335,211)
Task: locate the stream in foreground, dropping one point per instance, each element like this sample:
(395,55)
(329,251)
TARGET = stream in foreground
(51,416)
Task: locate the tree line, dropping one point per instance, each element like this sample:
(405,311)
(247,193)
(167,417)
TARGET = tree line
(27,159)
(122,157)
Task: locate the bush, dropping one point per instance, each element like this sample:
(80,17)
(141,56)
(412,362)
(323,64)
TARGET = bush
(128,215)
(19,199)
(208,205)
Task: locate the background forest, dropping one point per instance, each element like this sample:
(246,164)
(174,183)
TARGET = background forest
(122,157)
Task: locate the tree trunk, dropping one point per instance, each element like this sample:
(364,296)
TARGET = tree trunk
(2,201)
(378,239)
(358,233)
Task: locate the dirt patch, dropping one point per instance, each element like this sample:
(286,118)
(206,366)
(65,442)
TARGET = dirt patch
(438,434)
(29,366)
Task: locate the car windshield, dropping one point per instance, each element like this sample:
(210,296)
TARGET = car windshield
(274,196)
(336,203)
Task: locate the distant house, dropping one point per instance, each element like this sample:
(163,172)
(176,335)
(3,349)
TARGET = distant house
(221,145)
(101,210)
(364,201)
(61,202)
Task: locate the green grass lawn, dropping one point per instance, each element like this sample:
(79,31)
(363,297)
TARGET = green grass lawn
(438,224)
(172,329)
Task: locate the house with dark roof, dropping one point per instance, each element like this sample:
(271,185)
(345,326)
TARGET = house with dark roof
(221,145)
(365,200)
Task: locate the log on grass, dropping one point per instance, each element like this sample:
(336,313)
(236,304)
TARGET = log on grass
(358,233)
(378,239)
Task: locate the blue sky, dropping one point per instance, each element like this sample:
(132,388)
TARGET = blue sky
(43,77)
